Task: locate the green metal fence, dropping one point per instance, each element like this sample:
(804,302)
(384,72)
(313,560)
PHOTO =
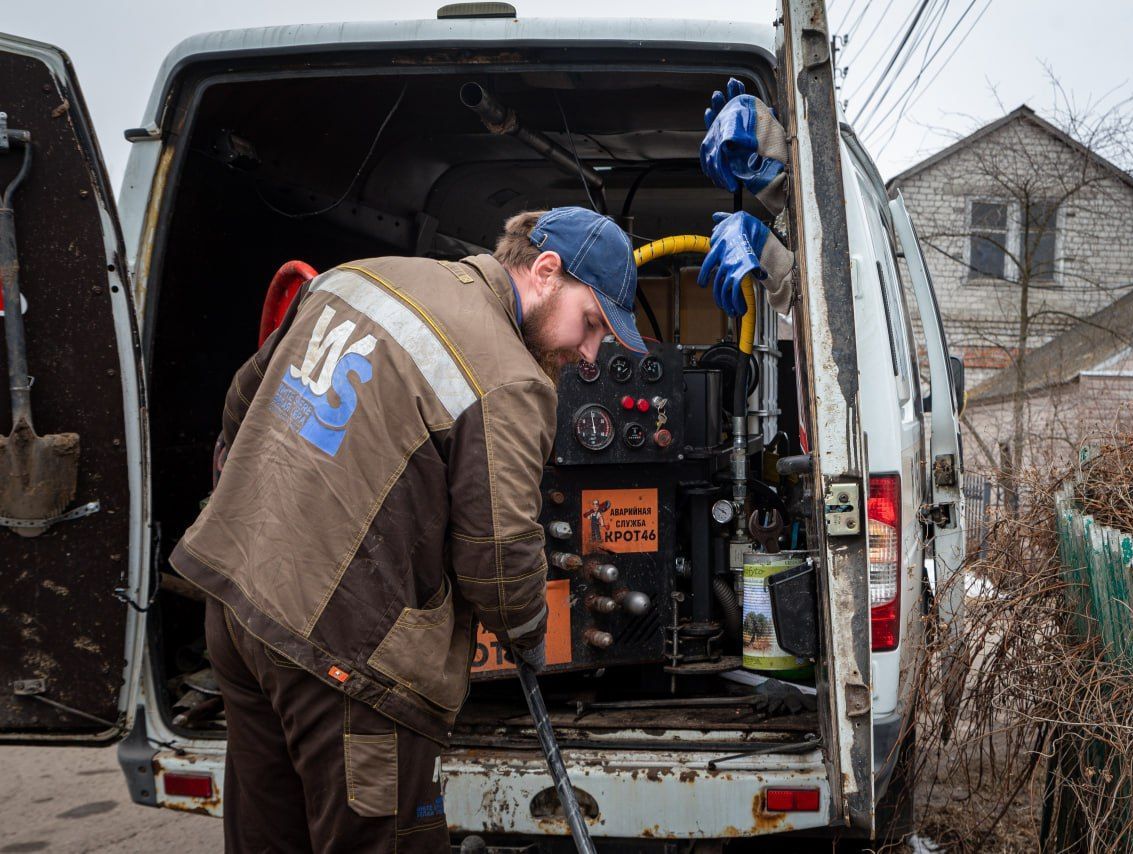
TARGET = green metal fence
(1097,561)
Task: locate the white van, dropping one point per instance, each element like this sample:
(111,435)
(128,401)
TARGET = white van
(325,143)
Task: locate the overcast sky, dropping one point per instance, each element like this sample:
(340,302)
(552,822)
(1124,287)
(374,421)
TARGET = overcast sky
(117,46)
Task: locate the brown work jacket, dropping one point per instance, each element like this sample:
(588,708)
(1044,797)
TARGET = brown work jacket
(381,488)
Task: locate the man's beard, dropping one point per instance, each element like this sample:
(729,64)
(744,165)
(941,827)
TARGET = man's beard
(536,333)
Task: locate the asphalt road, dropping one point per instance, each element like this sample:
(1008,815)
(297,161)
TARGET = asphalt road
(71,799)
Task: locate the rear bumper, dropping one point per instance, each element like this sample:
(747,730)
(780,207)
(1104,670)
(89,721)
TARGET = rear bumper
(635,794)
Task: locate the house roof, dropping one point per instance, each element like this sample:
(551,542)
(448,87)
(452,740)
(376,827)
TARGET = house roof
(1082,347)
(1024,113)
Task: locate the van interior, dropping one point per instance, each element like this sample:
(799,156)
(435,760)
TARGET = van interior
(382,154)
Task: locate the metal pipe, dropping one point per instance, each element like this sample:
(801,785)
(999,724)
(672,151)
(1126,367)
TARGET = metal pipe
(502,120)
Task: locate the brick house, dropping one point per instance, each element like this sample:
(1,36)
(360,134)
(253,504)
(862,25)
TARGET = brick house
(1026,229)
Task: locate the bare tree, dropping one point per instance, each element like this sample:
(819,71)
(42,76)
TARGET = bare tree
(1024,188)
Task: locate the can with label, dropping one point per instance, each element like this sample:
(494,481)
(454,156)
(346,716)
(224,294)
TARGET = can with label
(761,651)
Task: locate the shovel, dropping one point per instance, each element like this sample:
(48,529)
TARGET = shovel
(38,474)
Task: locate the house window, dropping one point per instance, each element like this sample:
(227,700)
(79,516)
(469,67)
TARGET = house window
(1040,236)
(999,245)
(987,253)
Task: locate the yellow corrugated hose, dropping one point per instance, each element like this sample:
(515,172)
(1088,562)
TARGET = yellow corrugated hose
(679,243)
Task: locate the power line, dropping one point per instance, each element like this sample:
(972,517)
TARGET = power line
(937,73)
(910,16)
(940,68)
(909,90)
(893,59)
(879,104)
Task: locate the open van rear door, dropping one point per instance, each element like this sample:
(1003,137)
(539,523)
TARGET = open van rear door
(829,369)
(946,512)
(71,642)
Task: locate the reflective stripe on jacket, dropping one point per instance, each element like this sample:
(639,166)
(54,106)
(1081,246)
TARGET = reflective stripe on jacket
(382,488)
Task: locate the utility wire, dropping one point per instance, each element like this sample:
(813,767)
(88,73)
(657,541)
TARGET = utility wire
(897,54)
(865,81)
(939,14)
(940,68)
(849,11)
(850,35)
(903,99)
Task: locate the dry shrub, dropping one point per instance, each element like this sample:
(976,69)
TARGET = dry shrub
(1038,731)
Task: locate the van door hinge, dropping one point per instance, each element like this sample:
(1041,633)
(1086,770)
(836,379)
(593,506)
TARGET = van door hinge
(944,470)
(938,515)
(843,510)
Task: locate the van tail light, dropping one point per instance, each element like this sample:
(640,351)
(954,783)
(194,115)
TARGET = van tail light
(791,800)
(189,785)
(884,518)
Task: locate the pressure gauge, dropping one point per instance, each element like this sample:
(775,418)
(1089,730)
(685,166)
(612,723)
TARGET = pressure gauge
(588,372)
(633,434)
(723,511)
(621,369)
(593,427)
(651,369)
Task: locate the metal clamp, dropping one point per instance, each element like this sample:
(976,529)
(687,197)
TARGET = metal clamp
(78,513)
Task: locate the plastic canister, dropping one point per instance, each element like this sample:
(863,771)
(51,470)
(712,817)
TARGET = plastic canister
(760,649)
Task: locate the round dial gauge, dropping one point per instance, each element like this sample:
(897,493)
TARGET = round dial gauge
(621,369)
(651,369)
(633,434)
(588,372)
(593,427)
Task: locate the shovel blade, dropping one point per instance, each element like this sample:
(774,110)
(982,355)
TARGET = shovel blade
(38,474)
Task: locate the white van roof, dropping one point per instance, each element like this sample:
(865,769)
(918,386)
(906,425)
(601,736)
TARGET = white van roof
(458,32)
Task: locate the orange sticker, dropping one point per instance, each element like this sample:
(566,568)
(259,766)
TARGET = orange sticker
(619,520)
(489,653)
(338,673)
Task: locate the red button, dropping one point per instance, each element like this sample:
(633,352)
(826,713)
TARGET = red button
(662,438)
(627,402)
(642,405)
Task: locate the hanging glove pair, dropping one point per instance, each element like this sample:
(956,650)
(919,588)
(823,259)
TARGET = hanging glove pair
(741,244)
(745,145)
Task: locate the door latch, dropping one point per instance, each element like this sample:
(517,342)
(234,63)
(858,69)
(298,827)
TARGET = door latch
(843,510)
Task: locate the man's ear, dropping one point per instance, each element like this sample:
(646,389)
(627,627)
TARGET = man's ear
(546,271)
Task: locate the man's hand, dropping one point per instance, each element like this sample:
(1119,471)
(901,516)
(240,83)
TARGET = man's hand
(744,145)
(741,244)
(534,654)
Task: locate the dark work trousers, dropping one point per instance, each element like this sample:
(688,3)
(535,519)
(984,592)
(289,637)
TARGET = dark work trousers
(310,769)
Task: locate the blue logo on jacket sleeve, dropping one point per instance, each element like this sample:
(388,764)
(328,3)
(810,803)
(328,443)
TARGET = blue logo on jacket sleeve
(303,399)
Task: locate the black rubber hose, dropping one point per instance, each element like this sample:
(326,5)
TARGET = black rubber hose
(726,597)
(739,390)
(648,309)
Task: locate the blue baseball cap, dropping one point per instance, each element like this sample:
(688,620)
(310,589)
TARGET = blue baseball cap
(597,253)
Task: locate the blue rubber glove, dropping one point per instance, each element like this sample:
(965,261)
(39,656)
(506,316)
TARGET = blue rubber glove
(744,145)
(741,244)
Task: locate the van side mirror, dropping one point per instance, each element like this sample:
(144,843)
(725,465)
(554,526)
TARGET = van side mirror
(957,366)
